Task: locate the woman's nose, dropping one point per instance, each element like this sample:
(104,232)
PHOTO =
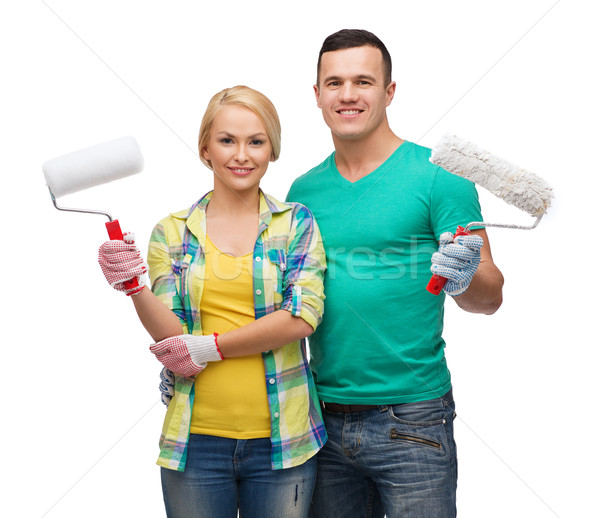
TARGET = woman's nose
(240,153)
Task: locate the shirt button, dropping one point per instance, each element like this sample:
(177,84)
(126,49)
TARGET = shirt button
(257,259)
(258,292)
(271,381)
(276,414)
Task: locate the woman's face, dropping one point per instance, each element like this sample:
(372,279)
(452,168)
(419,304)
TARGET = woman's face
(238,149)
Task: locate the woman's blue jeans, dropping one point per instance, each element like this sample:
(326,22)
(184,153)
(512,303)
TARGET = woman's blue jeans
(224,475)
(399,460)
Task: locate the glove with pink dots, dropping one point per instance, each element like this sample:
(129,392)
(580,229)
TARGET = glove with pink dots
(187,355)
(121,261)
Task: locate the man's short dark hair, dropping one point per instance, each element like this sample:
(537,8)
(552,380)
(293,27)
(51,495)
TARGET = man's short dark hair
(350,38)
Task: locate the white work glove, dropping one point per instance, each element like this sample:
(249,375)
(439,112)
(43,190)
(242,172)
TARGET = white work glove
(121,261)
(187,355)
(457,260)
(166,386)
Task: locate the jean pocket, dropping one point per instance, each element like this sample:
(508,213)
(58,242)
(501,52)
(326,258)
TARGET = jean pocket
(418,414)
(423,425)
(396,435)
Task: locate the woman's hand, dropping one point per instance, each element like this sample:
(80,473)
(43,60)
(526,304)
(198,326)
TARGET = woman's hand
(187,355)
(121,261)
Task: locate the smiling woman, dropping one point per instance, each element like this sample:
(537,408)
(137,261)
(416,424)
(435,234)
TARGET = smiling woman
(243,432)
(239,152)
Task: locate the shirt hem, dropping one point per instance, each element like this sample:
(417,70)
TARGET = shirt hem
(384,399)
(265,434)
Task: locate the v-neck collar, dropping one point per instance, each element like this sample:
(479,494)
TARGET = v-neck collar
(369,177)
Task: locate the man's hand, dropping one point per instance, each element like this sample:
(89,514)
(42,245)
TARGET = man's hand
(457,260)
(187,355)
(166,386)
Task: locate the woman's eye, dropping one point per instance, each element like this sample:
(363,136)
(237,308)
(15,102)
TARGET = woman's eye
(226,140)
(257,142)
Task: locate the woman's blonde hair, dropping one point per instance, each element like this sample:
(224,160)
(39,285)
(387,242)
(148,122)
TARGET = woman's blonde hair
(246,97)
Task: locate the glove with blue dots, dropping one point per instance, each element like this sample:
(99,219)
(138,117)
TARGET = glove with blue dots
(167,386)
(457,260)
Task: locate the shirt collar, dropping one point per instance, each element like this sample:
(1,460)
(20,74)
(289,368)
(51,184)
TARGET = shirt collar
(196,215)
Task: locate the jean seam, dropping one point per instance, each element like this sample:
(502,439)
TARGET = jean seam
(247,453)
(371,499)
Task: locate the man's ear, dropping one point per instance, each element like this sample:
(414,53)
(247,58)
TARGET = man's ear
(317,95)
(390,91)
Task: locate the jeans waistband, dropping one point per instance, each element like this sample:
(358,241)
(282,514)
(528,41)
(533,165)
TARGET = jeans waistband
(346,409)
(447,399)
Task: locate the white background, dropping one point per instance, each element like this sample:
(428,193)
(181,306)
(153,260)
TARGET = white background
(81,419)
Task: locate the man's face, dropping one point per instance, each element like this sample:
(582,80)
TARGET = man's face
(352,93)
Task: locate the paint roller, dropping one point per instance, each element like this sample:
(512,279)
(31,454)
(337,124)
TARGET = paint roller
(514,185)
(92,166)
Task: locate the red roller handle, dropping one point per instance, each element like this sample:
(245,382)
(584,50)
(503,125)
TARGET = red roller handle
(437,282)
(115,232)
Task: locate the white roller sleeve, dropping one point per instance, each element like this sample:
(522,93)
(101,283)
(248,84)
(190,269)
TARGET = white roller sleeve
(509,182)
(93,166)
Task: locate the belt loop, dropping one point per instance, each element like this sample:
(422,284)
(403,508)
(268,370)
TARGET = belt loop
(448,398)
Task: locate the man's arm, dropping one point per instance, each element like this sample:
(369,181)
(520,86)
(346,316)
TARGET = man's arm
(484,294)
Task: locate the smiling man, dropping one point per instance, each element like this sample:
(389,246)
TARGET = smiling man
(378,357)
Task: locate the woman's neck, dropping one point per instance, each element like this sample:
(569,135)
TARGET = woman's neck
(232,220)
(239,204)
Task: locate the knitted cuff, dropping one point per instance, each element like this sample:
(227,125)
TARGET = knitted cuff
(203,349)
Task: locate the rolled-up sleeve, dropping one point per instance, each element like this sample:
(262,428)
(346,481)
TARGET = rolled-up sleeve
(163,275)
(305,268)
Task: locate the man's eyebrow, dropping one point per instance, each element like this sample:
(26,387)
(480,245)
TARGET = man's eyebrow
(360,77)
(367,77)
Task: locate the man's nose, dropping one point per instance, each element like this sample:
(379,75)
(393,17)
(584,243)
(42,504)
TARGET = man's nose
(348,92)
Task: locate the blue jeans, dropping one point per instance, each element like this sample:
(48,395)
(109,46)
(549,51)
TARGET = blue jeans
(222,475)
(399,460)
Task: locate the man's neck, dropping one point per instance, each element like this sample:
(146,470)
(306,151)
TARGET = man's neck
(356,158)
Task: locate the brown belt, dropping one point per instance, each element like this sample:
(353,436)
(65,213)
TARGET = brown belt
(347,409)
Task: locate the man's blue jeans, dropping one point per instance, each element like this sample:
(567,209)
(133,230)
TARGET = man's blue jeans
(222,474)
(399,460)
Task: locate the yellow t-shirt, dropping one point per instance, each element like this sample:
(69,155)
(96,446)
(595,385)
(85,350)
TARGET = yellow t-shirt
(230,396)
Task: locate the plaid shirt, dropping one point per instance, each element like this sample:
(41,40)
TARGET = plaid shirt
(288,269)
